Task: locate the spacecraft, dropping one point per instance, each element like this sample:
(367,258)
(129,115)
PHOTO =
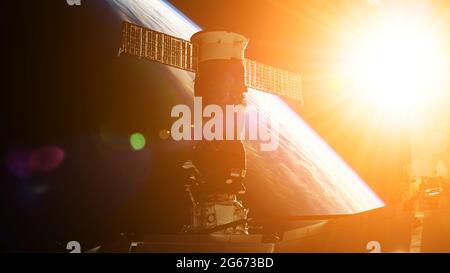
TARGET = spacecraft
(222,77)
(204,46)
(214,178)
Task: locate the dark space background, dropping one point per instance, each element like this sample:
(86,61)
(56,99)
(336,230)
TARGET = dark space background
(64,90)
(47,103)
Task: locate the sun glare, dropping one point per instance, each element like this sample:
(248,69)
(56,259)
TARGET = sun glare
(398,67)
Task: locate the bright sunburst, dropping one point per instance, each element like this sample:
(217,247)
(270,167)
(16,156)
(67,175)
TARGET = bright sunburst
(396,66)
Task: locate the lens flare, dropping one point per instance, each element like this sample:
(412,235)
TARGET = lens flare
(137,141)
(24,162)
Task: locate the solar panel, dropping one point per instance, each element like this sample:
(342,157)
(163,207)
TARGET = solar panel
(273,80)
(159,47)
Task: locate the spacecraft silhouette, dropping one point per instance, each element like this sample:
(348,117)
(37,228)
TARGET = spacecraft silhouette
(222,75)
(215,175)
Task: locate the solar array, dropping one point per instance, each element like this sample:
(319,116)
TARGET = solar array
(173,51)
(159,47)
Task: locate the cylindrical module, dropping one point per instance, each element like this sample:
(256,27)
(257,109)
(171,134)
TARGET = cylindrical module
(220,80)
(220,76)
(219,45)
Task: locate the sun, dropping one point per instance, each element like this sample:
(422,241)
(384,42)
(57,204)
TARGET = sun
(396,67)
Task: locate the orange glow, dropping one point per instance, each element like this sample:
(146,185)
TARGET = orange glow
(397,66)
